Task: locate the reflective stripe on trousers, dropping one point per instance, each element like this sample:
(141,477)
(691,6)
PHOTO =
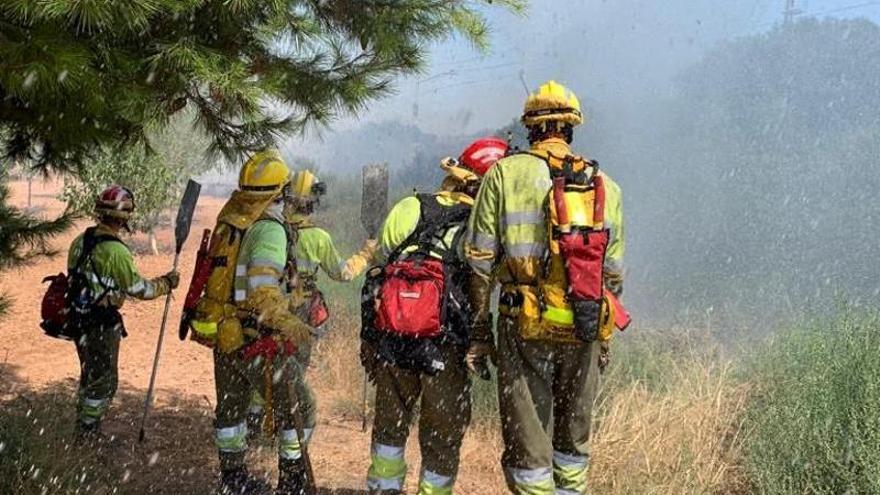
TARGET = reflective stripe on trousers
(530,481)
(91,410)
(231,439)
(570,471)
(387,468)
(432,483)
(288,443)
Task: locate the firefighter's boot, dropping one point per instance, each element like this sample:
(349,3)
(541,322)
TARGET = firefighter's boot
(239,482)
(292,477)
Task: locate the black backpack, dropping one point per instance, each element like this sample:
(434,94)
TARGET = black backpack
(69,300)
(423,354)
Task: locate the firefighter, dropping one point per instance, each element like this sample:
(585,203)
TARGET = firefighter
(255,346)
(314,250)
(429,367)
(104,273)
(550,348)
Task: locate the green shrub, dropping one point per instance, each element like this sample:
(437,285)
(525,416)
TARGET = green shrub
(814,421)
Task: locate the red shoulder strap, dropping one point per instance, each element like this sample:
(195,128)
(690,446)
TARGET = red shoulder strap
(599,203)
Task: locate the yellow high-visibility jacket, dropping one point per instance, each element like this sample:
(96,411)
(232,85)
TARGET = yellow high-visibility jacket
(315,250)
(404,217)
(507,238)
(112,273)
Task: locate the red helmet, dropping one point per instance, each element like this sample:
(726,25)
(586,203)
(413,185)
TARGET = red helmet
(482,154)
(116,201)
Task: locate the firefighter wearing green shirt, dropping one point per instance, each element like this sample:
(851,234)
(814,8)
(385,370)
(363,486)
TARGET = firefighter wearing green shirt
(109,275)
(257,338)
(548,367)
(314,251)
(444,392)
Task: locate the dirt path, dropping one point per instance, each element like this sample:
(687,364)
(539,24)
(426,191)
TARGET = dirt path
(179,456)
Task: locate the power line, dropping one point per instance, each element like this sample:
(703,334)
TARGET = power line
(799,13)
(845,8)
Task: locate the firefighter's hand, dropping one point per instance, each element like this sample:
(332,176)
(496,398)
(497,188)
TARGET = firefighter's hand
(370,359)
(173,279)
(604,355)
(614,283)
(477,358)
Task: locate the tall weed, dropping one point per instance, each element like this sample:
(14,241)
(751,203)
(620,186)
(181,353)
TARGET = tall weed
(814,425)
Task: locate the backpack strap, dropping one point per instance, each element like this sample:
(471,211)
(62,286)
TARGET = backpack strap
(90,241)
(434,220)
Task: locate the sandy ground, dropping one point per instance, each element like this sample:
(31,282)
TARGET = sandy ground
(178,457)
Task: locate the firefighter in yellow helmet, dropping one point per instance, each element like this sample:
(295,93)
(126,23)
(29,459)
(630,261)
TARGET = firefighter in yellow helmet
(314,251)
(546,226)
(257,333)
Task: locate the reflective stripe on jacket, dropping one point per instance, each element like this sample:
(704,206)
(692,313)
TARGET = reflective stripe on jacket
(112,269)
(315,250)
(507,237)
(403,219)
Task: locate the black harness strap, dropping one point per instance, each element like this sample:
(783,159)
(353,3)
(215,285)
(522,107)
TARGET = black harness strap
(90,241)
(434,221)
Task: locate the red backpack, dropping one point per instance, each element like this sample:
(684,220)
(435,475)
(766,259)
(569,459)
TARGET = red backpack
(417,299)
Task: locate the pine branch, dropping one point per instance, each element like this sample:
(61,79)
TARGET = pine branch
(24,238)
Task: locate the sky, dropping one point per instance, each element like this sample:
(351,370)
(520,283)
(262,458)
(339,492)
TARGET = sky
(624,51)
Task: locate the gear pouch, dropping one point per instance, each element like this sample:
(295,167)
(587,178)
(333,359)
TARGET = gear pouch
(584,253)
(411,298)
(318,311)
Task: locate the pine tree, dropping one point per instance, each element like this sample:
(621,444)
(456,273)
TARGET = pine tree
(76,74)
(23,238)
(76,77)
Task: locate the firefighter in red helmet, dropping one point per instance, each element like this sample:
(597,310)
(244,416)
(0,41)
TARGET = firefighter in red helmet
(415,327)
(102,275)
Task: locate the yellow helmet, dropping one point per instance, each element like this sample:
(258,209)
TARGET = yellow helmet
(264,173)
(552,102)
(306,186)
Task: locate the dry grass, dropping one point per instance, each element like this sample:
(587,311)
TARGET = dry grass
(668,421)
(682,439)
(335,371)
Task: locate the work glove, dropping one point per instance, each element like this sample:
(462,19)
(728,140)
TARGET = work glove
(604,355)
(477,358)
(368,250)
(614,283)
(359,262)
(370,359)
(173,279)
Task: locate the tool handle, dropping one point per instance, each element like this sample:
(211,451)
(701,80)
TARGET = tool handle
(364,404)
(150,389)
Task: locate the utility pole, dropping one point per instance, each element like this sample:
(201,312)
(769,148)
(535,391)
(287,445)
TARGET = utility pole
(790,11)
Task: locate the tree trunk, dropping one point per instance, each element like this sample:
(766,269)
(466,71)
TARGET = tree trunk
(154,243)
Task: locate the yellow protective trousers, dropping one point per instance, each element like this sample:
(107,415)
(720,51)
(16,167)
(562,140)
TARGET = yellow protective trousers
(235,379)
(444,414)
(546,391)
